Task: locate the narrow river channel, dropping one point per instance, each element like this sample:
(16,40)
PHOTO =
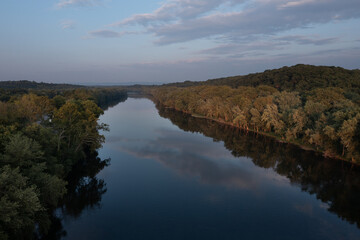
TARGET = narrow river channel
(174,177)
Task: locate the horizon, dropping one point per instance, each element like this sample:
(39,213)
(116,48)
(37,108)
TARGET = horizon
(109,84)
(104,42)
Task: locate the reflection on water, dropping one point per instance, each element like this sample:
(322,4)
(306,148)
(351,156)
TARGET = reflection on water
(84,188)
(84,191)
(335,183)
(176,180)
(190,156)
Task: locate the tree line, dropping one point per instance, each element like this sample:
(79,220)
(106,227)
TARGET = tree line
(43,135)
(324,118)
(300,78)
(25,84)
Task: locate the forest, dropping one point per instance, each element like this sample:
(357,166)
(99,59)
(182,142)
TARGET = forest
(315,107)
(300,78)
(45,134)
(25,84)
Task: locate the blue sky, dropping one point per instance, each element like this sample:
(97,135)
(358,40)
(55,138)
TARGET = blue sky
(150,41)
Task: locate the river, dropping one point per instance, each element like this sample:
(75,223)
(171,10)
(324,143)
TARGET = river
(175,177)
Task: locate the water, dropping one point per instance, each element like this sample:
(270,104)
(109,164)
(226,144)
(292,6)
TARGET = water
(175,177)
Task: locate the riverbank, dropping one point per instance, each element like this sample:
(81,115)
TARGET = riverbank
(323,120)
(279,139)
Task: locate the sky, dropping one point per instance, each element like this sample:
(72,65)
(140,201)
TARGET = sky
(152,41)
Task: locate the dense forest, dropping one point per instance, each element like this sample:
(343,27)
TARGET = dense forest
(25,84)
(45,135)
(300,78)
(10,89)
(315,107)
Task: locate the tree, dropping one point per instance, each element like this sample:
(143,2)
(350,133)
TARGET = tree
(296,124)
(22,151)
(51,188)
(239,117)
(346,134)
(76,123)
(260,103)
(255,118)
(287,100)
(19,202)
(271,118)
(64,121)
(33,107)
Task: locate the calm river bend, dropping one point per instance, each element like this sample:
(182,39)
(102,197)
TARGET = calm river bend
(175,177)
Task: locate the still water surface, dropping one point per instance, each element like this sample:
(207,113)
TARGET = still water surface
(171,177)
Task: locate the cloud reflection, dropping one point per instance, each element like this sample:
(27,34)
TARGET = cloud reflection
(192,155)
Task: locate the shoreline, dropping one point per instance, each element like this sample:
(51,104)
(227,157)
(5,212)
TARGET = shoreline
(278,139)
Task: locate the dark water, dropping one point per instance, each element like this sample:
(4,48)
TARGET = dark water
(176,177)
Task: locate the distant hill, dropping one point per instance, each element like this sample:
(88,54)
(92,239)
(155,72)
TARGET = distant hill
(295,78)
(25,84)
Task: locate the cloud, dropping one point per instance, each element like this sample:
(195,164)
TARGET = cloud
(104,34)
(299,3)
(184,20)
(210,163)
(306,40)
(335,52)
(265,46)
(68,3)
(306,209)
(232,48)
(175,10)
(67,24)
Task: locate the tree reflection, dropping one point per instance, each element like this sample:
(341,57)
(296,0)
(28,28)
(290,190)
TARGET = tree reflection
(85,191)
(336,183)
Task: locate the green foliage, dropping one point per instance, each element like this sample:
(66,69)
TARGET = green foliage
(33,107)
(24,84)
(21,151)
(43,135)
(51,188)
(321,114)
(76,124)
(300,78)
(19,202)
